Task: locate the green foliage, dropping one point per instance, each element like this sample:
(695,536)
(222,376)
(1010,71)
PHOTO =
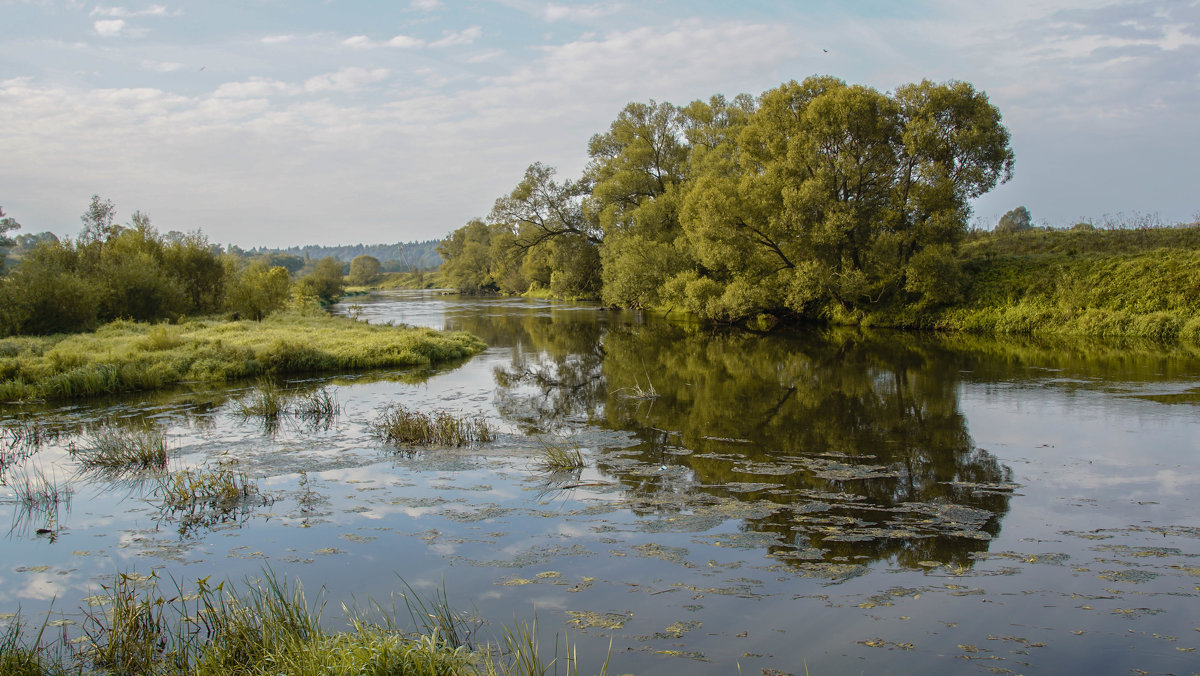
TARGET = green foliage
(326,283)
(364,270)
(6,225)
(814,197)
(1017,220)
(256,291)
(110,272)
(125,356)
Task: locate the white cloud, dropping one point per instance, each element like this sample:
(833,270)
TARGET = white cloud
(276,39)
(255,88)
(555,12)
(152,10)
(345,80)
(455,38)
(109,27)
(425,5)
(406,42)
(358,42)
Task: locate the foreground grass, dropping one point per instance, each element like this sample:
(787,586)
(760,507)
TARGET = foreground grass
(265,627)
(127,356)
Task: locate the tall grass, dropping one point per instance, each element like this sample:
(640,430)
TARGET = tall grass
(33,489)
(399,426)
(269,627)
(126,356)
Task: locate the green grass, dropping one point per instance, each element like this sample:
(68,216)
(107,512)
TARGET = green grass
(399,426)
(266,626)
(560,457)
(127,356)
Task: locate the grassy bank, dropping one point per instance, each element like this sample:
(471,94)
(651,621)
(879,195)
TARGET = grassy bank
(127,356)
(1115,283)
(266,627)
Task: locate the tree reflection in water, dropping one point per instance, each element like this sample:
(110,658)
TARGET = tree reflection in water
(827,445)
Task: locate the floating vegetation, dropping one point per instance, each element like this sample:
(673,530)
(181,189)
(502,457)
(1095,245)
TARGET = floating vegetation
(588,619)
(116,450)
(399,426)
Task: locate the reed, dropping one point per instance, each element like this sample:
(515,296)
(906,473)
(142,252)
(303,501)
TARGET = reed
(398,425)
(560,457)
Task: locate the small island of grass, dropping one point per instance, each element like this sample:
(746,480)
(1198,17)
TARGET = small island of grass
(125,356)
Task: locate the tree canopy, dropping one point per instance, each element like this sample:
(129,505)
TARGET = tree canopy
(816,197)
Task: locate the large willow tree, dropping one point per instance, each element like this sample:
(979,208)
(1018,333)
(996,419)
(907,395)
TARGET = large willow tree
(836,195)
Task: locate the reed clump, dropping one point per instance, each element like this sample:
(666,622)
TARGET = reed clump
(203,497)
(560,457)
(398,425)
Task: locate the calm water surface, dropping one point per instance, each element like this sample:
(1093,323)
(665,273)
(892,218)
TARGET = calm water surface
(836,500)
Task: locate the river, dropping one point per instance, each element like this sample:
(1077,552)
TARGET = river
(833,500)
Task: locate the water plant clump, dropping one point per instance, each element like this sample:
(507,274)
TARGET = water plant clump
(271,403)
(398,425)
(113,449)
(563,457)
(33,489)
(267,401)
(205,496)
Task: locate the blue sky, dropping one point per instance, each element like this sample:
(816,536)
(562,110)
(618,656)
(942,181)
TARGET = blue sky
(273,122)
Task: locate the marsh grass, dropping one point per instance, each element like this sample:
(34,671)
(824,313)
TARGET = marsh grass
(118,451)
(399,426)
(267,401)
(143,625)
(126,356)
(203,497)
(560,457)
(320,407)
(20,657)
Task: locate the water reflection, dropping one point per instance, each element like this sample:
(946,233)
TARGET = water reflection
(850,446)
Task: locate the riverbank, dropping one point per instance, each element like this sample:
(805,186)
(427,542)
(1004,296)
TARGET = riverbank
(126,356)
(1141,283)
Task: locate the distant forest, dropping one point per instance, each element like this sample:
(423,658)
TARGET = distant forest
(399,257)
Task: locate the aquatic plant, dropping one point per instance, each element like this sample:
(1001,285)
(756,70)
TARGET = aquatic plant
(32,488)
(397,425)
(117,450)
(267,401)
(520,654)
(19,657)
(319,407)
(205,496)
(561,457)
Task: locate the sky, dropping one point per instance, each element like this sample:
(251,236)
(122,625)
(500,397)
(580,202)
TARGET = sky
(286,122)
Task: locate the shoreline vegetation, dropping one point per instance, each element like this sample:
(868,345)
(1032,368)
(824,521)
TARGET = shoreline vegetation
(126,356)
(269,626)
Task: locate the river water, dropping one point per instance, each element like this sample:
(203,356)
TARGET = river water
(836,500)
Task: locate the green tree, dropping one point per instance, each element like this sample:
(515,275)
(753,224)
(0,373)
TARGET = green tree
(1016,220)
(257,290)
(98,220)
(830,189)
(326,283)
(466,253)
(364,270)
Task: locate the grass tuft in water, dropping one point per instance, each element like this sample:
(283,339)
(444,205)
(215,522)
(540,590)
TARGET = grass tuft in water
(33,489)
(267,401)
(320,407)
(19,657)
(399,426)
(114,449)
(205,496)
(562,457)
(520,654)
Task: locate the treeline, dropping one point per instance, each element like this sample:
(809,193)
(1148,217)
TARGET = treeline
(399,257)
(112,271)
(817,199)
